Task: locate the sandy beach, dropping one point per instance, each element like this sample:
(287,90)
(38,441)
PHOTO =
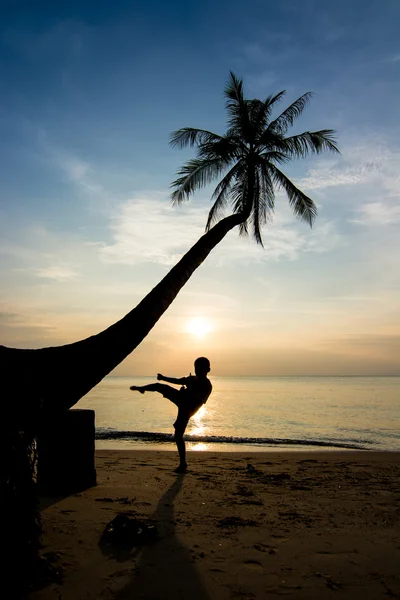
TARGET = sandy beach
(236,526)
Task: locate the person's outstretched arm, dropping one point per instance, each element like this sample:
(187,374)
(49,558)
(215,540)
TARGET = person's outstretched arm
(179,381)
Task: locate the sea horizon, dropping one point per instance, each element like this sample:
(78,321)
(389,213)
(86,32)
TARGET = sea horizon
(255,413)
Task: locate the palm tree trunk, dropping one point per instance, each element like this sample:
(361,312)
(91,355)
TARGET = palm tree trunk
(37,384)
(50,380)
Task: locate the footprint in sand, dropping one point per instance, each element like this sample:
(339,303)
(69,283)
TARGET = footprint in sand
(253,565)
(264,548)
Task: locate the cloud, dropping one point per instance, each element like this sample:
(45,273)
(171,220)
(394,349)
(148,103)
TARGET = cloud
(76,170)
(370,171)
(7,318)
(17,330)
(362,299)
(324,177)
(388,341)
(377,213)
(44,254)
(152,231)
(20,251)
(58,273)
(281,242)
(361,162)
(206,302)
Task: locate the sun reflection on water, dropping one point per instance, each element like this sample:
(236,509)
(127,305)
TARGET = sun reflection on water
(197,426)
(199,446)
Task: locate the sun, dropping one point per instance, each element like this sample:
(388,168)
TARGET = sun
(198,327)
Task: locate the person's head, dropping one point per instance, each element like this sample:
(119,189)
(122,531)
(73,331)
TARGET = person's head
(202,366)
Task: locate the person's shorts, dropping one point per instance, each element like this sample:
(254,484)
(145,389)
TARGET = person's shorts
(184,412)
(170,393)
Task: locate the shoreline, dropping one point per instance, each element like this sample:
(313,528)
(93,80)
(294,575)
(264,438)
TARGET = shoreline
(238,525)
(220,448)
(164,441)
(272,453)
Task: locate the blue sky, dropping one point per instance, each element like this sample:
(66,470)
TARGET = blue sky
(90,95)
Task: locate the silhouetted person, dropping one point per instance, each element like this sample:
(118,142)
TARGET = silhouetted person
(189,398)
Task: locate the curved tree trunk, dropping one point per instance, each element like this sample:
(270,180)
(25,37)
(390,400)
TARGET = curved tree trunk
(53,379)
(37,384)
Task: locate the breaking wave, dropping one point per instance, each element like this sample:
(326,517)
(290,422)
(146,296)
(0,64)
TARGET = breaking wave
(158,437)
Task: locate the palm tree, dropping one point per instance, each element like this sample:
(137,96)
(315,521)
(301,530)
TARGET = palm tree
(248,158)
(38,384)
(249,154)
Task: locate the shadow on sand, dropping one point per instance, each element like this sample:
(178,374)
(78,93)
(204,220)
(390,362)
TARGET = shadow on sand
(165,569)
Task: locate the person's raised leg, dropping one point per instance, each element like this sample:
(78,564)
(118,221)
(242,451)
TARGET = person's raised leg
(138,388)
(151,387)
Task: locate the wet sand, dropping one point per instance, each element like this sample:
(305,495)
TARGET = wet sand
(307,525)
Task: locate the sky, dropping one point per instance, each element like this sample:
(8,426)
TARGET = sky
(90,93)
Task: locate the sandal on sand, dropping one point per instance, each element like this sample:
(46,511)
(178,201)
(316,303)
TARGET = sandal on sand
(128,531)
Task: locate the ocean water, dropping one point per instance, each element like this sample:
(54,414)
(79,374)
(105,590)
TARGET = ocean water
(255,413)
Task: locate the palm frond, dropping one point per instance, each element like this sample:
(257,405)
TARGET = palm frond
(275,156)
(247,158)
(238,196)
(233,134)
(303,207)
(310,142)
(244,229)
(190,136)
(225,148)
(259,212)
(270,141)
(237,107)
(234,89)
(195,174)
(269,104)
(267,190)
(264,207)
(221,194)
(258,114)
(274,98)
(286,119)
